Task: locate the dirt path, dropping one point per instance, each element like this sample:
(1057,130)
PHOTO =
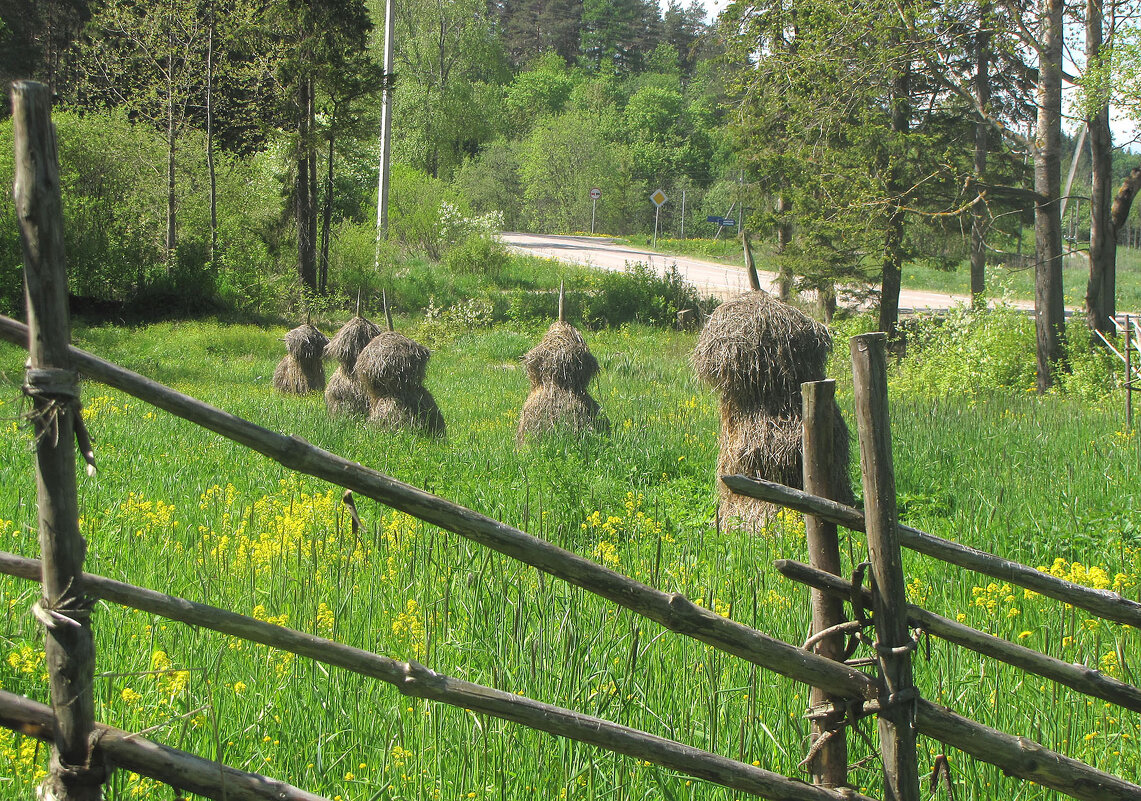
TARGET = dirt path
(712,278)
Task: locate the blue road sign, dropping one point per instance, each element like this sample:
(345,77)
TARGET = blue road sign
(718,220)
(727,221)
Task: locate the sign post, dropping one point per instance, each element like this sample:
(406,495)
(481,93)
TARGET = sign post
(595,194)
(659,197)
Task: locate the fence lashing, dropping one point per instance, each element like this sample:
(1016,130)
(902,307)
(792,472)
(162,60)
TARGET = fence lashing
(1102,603)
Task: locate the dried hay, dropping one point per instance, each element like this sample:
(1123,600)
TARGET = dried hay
(306,343)
(757,445)
(559,368)
(757,351)
(301,371)
(347,344)
(549,408)
(391,363)
(391,369)
(561,358)
(415,408)
(344,396)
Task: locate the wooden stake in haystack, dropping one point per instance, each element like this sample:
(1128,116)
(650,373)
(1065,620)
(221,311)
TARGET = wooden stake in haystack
(302,371)
(391,369)
(345,396)
(756,352)
(560,367)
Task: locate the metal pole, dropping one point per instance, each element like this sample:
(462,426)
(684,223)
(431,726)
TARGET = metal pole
(683,214)
(657,213)
(593,206)
(385,136)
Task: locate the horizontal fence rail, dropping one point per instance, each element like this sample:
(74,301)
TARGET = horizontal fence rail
(1102,603)
(671,610)
(415,680)
(1002,750)
(178,768)
(1078,677)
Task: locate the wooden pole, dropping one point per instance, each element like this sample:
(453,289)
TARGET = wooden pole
(828,762)
(1086,680)
(750,265)
(893,641)
(1103,603)
(54,388)
(187,772)
(418,681)
(1016,756)
(1128,372)
(672,610)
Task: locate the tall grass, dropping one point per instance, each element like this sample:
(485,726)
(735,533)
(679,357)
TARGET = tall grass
(1047,481)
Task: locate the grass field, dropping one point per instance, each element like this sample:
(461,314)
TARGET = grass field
(1049,482)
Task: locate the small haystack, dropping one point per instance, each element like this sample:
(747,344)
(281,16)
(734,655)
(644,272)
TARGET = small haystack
(559,368)
(391,368)
(756,352)
(301,371)
(345,396)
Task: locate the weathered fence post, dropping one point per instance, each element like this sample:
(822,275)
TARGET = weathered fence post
(828,762)
(54,389)
(893,641)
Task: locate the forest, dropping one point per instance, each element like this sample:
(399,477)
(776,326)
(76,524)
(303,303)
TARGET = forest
(227,154)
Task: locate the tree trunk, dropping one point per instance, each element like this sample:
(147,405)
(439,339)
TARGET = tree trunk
(784,237)
(1048,305)
(982,145)
(893,239)
(170,147)
(210,136)
(327,216)
(1102,285)
(303,195)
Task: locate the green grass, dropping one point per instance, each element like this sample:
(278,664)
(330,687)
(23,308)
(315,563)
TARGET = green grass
(184,511)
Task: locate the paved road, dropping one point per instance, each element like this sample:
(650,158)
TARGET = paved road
(723,281)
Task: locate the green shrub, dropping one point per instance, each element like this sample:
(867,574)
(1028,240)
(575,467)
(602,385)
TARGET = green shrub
(477,253)
(639,295)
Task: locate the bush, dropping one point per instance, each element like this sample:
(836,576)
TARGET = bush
(477,253)
(640,295)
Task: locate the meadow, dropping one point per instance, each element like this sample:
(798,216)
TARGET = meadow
(1050,481)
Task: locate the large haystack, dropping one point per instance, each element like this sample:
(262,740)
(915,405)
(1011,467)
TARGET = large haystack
(344,395)
(756,352)
(391,368)
(560,367)
(301,371)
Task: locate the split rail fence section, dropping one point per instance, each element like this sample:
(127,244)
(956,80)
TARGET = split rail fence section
(83,751)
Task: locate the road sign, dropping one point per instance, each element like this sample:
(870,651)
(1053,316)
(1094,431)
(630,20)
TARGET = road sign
(659,197)
(728,222)
(595,193)
(718,220)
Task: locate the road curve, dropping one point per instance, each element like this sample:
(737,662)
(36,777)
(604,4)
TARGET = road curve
(710,278)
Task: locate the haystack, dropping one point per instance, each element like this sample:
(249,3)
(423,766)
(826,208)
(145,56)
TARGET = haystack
(344,395)
(559,368)
(756,352)
(301,371)
(391,368)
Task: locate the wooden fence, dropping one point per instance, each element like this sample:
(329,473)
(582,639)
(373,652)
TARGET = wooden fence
(83,751)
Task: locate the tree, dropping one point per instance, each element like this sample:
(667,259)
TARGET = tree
(148,59)
(447,57)
(617,33)
(530,28)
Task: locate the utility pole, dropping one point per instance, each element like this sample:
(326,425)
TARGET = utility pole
(385,136)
